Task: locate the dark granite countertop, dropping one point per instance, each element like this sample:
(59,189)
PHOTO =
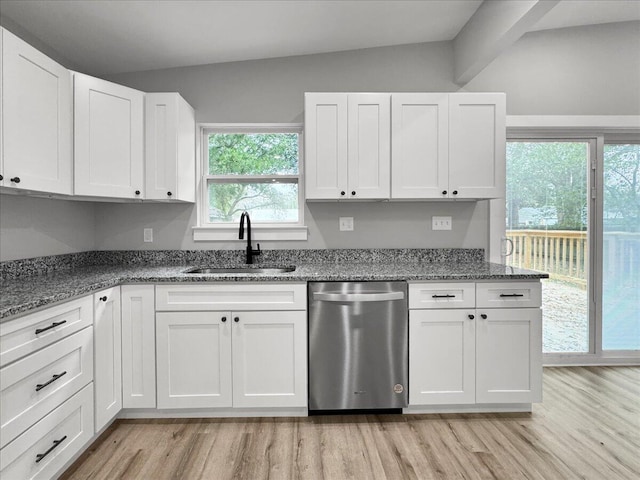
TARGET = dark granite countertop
(22,294)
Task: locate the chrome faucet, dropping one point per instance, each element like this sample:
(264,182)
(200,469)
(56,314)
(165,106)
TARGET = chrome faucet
(250,251)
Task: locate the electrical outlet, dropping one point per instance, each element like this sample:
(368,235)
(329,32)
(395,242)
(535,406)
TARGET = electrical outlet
(440,223)
(346,224)
(148,235)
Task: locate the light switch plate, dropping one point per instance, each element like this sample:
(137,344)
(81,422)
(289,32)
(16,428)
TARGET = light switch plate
(440,223)
(346,224)
(148,235)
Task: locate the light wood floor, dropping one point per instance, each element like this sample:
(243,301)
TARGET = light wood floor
(588,427)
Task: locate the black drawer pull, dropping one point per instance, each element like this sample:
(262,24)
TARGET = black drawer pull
(53,325)
(471,317)
(103,299)
(40,386)
(223,319)
(236,319)
(511,295)
(483,316)
(443,296)
(40,456)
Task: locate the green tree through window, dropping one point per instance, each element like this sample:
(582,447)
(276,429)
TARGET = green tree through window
(257,172)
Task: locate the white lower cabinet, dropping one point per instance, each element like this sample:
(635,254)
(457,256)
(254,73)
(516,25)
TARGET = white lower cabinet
(138,346)
(476,355)
(193,359)
(108,356)
(509,355)
(269,359)
(47,446)
(223,359)
(442,345)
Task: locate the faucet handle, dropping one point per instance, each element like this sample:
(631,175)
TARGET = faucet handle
(257,251)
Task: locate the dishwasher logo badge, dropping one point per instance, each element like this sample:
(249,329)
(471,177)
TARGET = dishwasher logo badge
(398,388)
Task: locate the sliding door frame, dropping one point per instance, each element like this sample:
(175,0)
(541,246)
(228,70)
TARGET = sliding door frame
(595,131)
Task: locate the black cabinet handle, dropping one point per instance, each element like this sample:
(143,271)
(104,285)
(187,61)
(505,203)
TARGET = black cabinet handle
(455,192)
(15,179)
(484,316)
(1,177)
(137,192)
(236,319)
(443,296)
(40,386)
(169,194)
(511,295)
(342,192)
(353,192)
(223,319)
(53,325)
(471,317)
(40,456)
(444,192)
(103,299)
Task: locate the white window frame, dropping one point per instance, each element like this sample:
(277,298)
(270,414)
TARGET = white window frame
(226,232)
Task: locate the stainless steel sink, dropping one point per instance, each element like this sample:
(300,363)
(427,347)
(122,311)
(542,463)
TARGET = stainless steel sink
(243,269)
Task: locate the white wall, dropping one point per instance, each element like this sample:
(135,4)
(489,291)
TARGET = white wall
(34,227)
(584,70)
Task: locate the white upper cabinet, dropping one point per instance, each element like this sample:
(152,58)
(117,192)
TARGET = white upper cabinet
(448,145)
(325,125)
(36,120)
(170,130)
(347,139)
(477,143)
(109,139)
(420,148)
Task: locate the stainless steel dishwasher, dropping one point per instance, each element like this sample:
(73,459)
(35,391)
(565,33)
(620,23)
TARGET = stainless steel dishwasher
(358,345)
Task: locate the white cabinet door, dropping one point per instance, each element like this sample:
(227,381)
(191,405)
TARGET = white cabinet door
(509,355)
(269,359)
(369,145)
(36,119)
(441,357)
(169,148)
(108,128)
(108,356)
(420,145)
(325,126)
(193,352)
(477,142)
(138,346)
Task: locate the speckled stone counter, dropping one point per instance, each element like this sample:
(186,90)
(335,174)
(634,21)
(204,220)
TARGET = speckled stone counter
(22,293)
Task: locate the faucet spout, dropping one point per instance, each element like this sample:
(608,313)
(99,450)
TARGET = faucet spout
(250,251)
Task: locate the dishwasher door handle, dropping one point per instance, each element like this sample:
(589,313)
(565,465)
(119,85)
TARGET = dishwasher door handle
(357,297)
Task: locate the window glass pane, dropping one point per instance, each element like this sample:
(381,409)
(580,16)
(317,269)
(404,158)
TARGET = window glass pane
(547,221)
(621,248)
(266,202)
(253,154)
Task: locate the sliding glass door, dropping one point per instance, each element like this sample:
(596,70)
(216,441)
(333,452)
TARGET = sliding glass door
(548,213)
(621,247)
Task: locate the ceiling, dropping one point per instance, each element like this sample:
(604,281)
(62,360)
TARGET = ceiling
(107,37)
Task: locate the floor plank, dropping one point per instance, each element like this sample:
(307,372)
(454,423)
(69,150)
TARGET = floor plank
(588,427)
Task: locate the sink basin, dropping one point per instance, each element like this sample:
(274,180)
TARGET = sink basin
(243,269)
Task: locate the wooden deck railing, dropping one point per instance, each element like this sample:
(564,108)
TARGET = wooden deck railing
(564,254)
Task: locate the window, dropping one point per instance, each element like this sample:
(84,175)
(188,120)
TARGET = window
(256,168)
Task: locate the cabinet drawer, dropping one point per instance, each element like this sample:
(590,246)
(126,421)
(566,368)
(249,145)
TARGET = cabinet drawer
(224,296)
(508,295)
(442,295)
(27,334)
(35,385)
(58,436)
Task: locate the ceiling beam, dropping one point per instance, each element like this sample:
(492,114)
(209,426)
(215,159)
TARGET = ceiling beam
(494,27)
